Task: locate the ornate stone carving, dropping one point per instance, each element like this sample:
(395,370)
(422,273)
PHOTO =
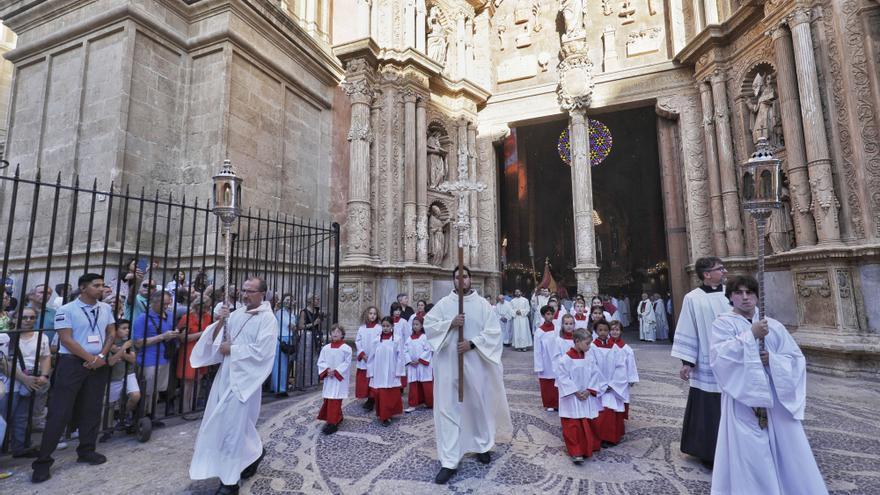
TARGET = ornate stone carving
(358,227)
(848,302)
(607,9)
(437,164)
(421,291)
(573,16)
(626,13)
(815,305)
(765,116)
(438,228)
(575,88)
(436,42)
(780,229)
(644,41)
(360,131)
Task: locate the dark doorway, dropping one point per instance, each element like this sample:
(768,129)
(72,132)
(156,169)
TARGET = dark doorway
(536,207)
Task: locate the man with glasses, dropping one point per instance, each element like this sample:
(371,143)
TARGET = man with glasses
(699,309)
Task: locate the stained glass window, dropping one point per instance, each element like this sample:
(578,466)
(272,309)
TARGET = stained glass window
(600,143)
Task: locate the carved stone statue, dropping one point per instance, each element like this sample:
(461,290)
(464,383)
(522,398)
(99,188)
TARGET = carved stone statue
(766,119)
(437,230)
(436,160)
(779,225)
(573,15)
(437,43)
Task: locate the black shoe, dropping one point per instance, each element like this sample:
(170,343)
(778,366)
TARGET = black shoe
(31,453)
(444,475)
(92,458)
(281,395)
(158,424)
(105,436)
(368,405)
(252,469)
(708,464)
(40,474)
(387,422)
(227,489)
(330,429)
(485,457)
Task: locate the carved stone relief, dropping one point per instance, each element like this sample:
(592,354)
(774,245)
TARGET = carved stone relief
(647,40)
(437,42)
(815,304)
(438,231)
(764,108)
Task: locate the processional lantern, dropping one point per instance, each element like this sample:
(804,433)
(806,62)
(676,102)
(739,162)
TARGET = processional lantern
(226,204)
(761,180)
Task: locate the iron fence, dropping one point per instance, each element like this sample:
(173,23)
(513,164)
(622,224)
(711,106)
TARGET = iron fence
(143,243)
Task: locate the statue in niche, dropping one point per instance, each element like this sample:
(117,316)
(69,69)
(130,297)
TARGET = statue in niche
(437,232)
(437,43)
(765,117)
(436,159)
(779,226)
(573,15)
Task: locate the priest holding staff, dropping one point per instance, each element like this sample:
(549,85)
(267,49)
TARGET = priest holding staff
(469,425)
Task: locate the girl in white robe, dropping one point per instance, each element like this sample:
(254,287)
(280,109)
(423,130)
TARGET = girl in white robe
(333,364)
(578,383)
(610,361)
(362,341)
(558,312)
(632,372)
(385,369)
(544,357)
(775,459)
(419,374)
(597,314)
(565,340)
(647,319)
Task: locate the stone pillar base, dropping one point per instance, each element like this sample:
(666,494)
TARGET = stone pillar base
(587,279)
(855,356)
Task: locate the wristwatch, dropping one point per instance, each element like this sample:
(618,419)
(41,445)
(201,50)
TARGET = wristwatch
(473,346)
(101,355)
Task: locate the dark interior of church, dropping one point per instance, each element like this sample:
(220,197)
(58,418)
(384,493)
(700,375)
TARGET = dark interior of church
(536,211)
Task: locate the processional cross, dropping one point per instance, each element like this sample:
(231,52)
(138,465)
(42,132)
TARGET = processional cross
(461,188)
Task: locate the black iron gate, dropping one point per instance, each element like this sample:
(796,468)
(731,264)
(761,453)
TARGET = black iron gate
(144,243)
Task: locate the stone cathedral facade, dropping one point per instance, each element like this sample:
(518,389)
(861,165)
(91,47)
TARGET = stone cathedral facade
(360,111)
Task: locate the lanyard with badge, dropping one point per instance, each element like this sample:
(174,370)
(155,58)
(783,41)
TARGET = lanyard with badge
(94,336)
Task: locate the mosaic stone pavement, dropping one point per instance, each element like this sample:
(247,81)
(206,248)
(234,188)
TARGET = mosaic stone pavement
(365,457)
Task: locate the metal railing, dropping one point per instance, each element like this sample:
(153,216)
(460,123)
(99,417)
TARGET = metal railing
(55,232)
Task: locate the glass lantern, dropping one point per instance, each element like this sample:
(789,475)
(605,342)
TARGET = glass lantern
(226,195)
(761,179)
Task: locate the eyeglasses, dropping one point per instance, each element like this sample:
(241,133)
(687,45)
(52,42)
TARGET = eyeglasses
(717,268)
(28,317)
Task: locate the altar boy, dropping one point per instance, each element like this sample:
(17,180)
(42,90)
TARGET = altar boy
(610,362)
(333,364)
(545,353)
(578,384)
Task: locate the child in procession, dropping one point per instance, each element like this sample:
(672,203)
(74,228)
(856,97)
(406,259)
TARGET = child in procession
(565,341)
(419,373)
(385,368)
(333,364)
(632,372)
(545,353)
(597,314)
(610,362)
(362,342)
(581,318)
(578,387)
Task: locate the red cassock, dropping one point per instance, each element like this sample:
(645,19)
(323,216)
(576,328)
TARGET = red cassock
(580,438)
(388,403)
(421,393)
(609,426)
(331,411)
(362,385)
(549,393)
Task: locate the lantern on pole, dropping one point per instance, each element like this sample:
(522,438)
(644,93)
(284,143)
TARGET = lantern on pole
(226,204)
(761,179)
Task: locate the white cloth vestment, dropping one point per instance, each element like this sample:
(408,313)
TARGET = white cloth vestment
(662,322)
(691,342)
(647,321)
(338,360)
(522,333)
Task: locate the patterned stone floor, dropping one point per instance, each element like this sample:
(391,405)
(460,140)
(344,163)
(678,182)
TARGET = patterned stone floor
(365,457)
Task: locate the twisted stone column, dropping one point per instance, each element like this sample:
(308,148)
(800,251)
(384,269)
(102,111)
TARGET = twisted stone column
(358,88)
(824,202)
(586,271)
(719,241)
(796,158)
(421,181)
(729,194)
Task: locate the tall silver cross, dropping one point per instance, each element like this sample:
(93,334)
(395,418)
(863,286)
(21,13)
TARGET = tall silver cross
(461,188)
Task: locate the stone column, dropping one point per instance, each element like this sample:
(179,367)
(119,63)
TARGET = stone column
(421,181)
(711,11)
(824,202)
(469,48)
(719,241)
(473,203)
(796,158)
(364,18)
(409,24)
(673,208)
(586,271)
(420,25)
(358,88)
(462,156)
(729,194)
(460,49)
(609,56)
(409,173)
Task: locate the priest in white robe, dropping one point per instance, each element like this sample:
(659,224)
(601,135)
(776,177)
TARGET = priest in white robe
(505,318)
(469,426)
(771,455)
(540,298)
(660,317)
(522,332)
(699,309)
(228,445)
(647,319)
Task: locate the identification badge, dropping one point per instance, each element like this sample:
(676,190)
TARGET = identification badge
(94,339)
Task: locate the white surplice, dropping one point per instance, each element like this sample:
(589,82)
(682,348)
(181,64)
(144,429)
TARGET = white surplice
(647,321)
(385,365)
(691,341)
(577,374)
(504,312)
(522,333)
(471,425)
(402,330)
(612,376)
(749,459)
(418,349)
(338,360)
(363,343)
(228,440)
(545,352)
(660,317)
